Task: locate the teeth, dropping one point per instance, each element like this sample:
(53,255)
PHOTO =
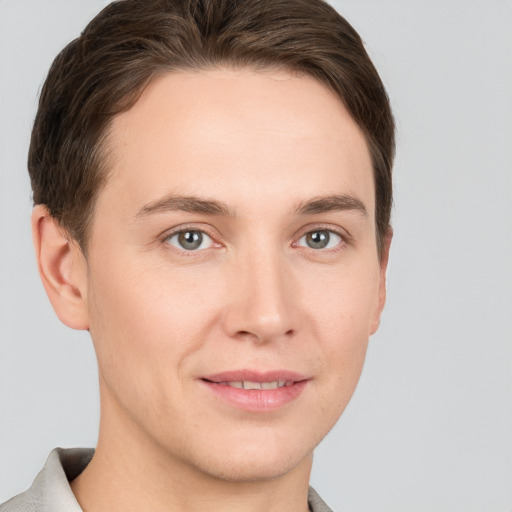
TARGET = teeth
(247,384)
(252,385)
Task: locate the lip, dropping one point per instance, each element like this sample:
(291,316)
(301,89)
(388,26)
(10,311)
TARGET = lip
(256,400)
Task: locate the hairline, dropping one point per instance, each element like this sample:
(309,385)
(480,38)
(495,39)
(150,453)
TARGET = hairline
(105,150)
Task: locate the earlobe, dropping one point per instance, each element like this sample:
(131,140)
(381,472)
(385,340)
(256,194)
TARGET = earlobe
(381,300)
(62,268)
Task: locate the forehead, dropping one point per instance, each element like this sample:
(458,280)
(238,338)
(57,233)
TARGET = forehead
(212,130)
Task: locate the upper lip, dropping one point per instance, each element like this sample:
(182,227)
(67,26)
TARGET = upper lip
(256,376)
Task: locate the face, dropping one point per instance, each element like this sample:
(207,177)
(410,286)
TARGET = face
(233,279)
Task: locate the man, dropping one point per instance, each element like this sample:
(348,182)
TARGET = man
(212,182)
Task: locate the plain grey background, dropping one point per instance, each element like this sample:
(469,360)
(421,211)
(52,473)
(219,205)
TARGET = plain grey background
(430,425)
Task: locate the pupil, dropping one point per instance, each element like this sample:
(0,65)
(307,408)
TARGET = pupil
(190,239)
(317,239)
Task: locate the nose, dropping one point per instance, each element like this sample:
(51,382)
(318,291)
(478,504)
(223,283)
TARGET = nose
(263,299)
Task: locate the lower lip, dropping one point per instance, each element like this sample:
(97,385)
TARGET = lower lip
(257,400)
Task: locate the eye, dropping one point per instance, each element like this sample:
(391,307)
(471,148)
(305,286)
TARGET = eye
(190,240)
(320,239)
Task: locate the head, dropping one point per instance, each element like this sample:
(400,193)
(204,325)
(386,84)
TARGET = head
(214,190)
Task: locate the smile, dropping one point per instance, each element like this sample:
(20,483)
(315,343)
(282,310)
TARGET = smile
(247,384)
(254,391)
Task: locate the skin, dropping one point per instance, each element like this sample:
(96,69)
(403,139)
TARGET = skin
(254,296)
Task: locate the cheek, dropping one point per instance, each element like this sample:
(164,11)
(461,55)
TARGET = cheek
(343,303)
(342,310)
(145,321)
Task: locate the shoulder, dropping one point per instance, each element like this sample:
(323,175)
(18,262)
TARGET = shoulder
(315,503)
(50,490)
(24,502)
(28,501)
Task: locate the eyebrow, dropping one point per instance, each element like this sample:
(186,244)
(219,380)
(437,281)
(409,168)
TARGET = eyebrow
(189,204)
(337,202)
(193,204)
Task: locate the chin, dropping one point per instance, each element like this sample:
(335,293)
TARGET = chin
(259,459)
(254,469)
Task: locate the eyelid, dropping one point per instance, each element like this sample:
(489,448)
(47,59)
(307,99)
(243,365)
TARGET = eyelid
(346,238)
(164,237)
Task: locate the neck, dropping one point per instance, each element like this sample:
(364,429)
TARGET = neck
(131,472)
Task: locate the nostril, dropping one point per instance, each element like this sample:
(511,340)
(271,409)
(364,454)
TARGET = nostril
(263,337)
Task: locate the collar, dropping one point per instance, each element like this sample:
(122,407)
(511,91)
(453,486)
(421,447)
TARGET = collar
(51,491)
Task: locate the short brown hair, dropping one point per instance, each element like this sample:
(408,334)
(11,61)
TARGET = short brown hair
(103,72)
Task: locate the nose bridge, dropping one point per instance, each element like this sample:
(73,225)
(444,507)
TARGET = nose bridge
(262,305)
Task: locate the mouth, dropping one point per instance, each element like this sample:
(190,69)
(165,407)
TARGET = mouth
(248,384)
(257,391)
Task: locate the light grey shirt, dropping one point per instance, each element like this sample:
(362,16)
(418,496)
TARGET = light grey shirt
(51,491)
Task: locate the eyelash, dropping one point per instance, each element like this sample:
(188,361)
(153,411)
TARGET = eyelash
(183,229)
(345,239)
(343,235)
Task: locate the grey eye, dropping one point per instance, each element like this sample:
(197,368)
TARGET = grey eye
(320,239)
(190,240)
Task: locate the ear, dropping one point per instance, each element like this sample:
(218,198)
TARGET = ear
(381,299)
(63,269)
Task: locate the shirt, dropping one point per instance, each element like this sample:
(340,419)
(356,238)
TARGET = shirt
(51,492)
